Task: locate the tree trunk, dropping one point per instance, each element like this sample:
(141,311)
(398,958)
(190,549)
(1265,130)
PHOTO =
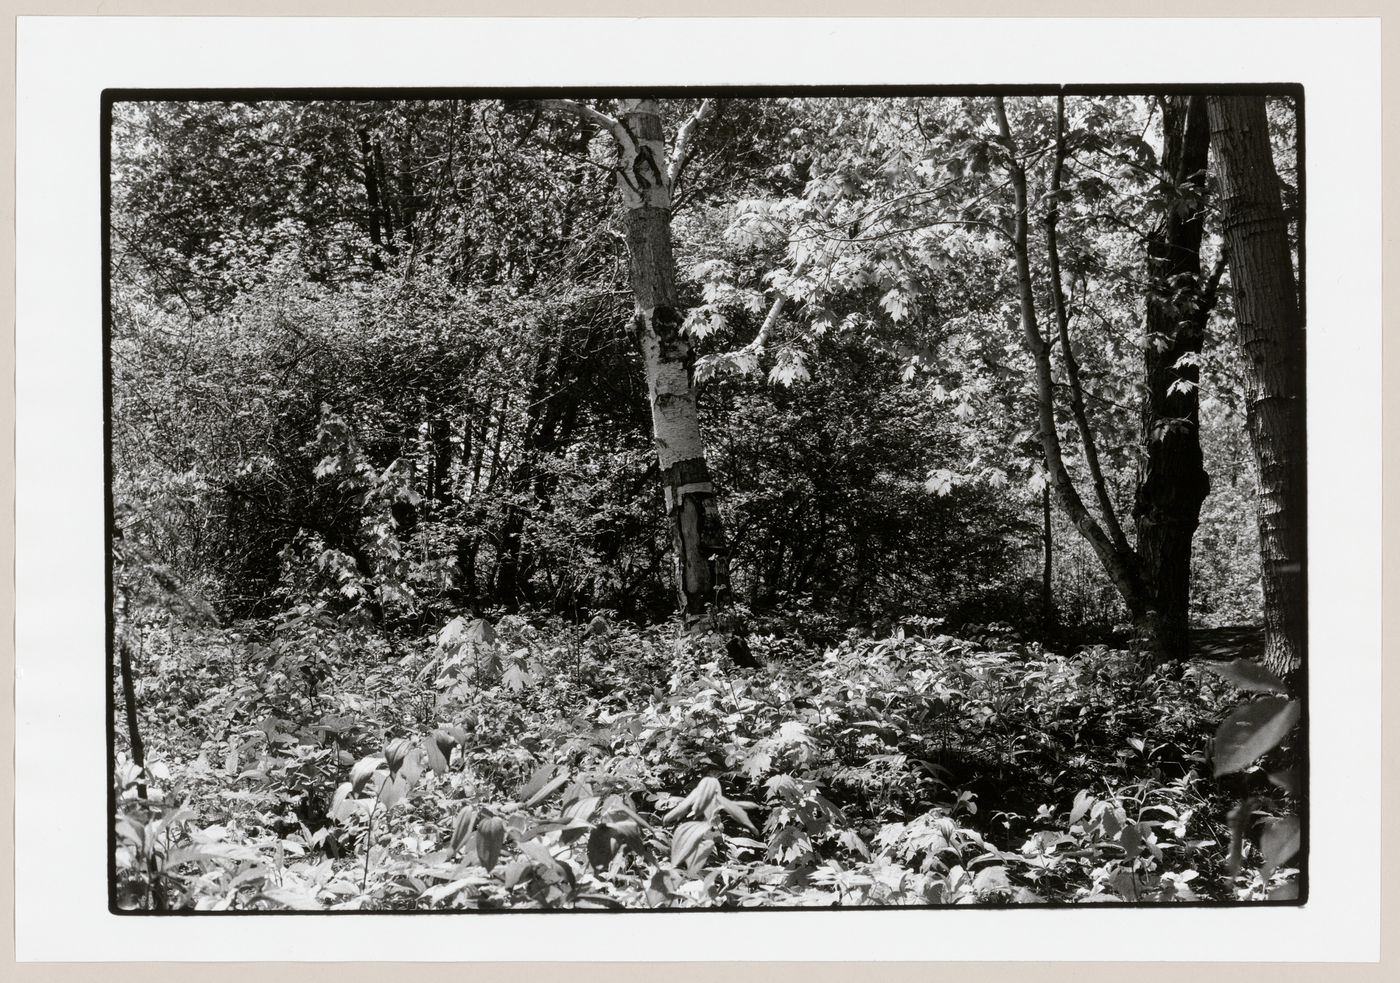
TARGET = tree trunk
(371,182)
(440,487)
(1172,481)
(1047,586)
(1269,328)
(699,546)
(1119,563)
(646,176)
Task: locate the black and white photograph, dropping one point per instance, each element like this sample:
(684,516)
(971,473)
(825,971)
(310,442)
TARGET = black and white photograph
(706,498)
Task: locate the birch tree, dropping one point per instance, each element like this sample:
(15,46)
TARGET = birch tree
(647,175)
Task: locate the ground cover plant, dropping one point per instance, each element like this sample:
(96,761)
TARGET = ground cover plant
(764,502)
(542,765)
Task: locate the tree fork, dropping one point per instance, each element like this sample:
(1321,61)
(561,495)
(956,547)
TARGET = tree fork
(1121,566)
(646,177)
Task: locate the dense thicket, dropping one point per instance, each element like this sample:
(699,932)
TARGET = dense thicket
(442,279)
(387,373)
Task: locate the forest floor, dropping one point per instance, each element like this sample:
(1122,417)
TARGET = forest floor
(532,763)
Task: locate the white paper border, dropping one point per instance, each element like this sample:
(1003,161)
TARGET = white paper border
(65,63)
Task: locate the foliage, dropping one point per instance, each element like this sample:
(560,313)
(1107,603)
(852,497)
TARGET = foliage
(392,575)
(533,764)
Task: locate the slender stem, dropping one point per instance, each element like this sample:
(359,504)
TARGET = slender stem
(138,747)
(1119,566)
(1057,293)
(369,843)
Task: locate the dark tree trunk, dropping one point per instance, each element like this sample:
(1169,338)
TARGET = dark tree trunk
(133,726)
(386,204)
(1047,587)
(1172,481)
(1269,328)
(440,487)
(371,181)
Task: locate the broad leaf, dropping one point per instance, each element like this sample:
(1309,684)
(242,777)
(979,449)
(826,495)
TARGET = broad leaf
(462,828)
(362,770)
(1281,840)
(542,776)
(490,837)
(1252,730)
(689,836)
(1250,676)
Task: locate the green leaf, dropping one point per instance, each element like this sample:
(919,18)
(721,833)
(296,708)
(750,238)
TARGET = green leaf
(395,751)
(481,631)
(543,776)
(697,802)
(549,789)
(1082,802)
(338,799)
(991,880)
(393,790)
(437,746)
(294,900)
(362,770)
(736,810)
(1252,730)
(1249,676)
(490,837)
(516,678)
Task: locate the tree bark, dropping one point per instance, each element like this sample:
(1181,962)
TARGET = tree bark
(1047,586)
(1270,332)
(1057,297)
(371,182)
(1172,481)
(699,546)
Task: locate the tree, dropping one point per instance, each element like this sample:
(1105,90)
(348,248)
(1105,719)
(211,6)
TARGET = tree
(1111,548)
(1172,482)
(1152,576)
(646,179)
(1270,333)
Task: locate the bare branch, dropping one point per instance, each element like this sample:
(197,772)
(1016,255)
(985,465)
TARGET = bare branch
(587,113)
(684,140)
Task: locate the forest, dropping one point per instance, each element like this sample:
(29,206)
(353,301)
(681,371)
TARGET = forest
(617,501)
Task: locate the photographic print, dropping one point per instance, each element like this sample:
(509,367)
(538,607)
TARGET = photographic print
(635,500)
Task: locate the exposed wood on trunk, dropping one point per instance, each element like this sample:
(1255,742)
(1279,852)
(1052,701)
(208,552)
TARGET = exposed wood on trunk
(645,180)
(1269,328)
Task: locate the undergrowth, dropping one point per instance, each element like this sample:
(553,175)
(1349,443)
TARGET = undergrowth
(531,763)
